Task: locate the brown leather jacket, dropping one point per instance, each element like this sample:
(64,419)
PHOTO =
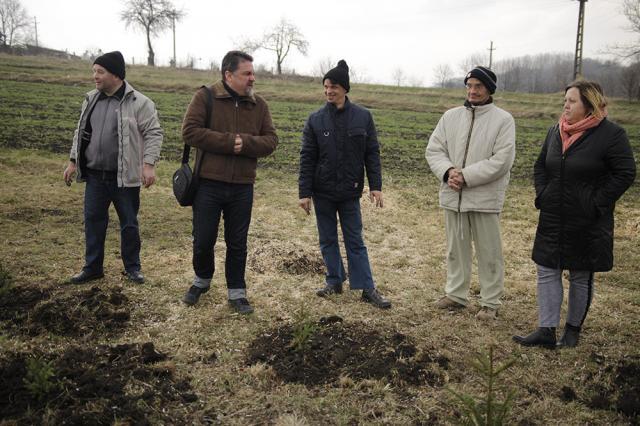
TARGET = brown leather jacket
(249,117)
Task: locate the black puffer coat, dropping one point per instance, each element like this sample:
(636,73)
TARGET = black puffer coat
(333,157)
(576,194)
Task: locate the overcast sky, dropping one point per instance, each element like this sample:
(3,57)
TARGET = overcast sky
(375,38)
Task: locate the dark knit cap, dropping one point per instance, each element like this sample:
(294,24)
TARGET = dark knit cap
(112,62)
(485,75)
(339,75)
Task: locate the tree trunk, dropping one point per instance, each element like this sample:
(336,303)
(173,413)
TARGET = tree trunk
(151,57)
(279,67)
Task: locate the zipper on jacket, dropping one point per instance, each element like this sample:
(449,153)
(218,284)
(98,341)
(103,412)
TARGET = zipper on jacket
(466,151)
(562,215)
(233,158)
(120,170)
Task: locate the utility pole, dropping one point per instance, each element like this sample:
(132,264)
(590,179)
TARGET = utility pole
(173,26)
(35,24)
(491,49)
(577,63)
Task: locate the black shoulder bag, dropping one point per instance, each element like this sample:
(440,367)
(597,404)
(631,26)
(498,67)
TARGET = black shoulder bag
(185,181)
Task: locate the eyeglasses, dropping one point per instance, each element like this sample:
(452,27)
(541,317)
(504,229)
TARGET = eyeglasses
(474,86)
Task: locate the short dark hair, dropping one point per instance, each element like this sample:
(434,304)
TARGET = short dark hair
(232,59)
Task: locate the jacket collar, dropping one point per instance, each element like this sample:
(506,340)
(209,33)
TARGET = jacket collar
(220,92)
(333,109)
(480,109)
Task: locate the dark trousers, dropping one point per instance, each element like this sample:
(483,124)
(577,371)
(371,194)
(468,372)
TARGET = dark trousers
(360,276)
(102,190)
(234,202)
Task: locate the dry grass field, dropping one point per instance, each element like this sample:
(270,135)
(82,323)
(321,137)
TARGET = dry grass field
(113,352)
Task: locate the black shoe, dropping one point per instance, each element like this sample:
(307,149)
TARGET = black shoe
(329,289)
(570,337)
(192,295)
(543,336)
(85,276)
(135,276)
(372,296)
(241,306)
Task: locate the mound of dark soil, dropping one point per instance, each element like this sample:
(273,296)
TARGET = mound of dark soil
(340,349)
(17,302)
(616,387)
(132,383)
(289,259)
(35,311)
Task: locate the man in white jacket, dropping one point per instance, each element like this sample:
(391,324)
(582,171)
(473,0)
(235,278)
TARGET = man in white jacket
(471,152)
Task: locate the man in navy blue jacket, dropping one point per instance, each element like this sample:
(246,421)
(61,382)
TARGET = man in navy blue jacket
(339,142)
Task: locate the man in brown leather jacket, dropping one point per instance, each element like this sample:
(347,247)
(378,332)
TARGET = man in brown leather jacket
(240,131)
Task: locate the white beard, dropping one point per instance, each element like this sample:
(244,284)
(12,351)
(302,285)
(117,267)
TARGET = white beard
(249,92)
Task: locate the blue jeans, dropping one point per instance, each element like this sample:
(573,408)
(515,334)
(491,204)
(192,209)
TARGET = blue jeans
(360,276)
(234,201)
(102,190)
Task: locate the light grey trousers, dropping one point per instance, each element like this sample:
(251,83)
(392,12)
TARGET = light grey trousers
(483,230)
(550,296)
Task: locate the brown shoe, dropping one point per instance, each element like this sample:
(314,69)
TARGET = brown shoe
(446,303)
(487,314)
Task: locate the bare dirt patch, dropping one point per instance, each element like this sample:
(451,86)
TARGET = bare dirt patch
(287,258)
(35,311)
(357,351)
(128,384)
(615,386)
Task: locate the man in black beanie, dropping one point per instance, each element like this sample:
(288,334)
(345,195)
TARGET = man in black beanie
(115,148)
(471,152)
(339,143)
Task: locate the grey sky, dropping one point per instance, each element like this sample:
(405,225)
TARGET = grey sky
(375,38)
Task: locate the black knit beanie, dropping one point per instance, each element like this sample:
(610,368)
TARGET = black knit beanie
(339,75)
(485,75)
(112,62)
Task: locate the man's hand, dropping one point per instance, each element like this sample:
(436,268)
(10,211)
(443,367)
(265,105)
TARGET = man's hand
(148,175)
(305,204)
(456,179)
(69,172)
(377,197)
(237,146)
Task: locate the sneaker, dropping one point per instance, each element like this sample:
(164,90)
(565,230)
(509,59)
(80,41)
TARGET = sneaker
(446,303)
(329,289)
(241,306)
(135,276)
(192,295)
(372,296)
(487,314)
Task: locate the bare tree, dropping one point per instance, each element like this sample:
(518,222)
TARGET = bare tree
(472,61)
(323,66)
(398,76)
(13,17)
(631,9)
(151,16)
(280,39)
(443,73)
(630,81)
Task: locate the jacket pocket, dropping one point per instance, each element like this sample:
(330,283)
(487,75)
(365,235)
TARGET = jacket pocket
(357,139)
(585,200)
(538,200)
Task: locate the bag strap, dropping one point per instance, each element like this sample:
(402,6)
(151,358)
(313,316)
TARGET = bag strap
(207,123)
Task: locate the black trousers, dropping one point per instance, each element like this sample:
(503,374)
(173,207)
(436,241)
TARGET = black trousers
(233,202)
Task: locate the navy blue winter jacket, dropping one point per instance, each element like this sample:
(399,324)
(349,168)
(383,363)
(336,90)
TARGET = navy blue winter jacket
(336,150)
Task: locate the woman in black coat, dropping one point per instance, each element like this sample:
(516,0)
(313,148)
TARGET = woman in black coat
(586,164)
